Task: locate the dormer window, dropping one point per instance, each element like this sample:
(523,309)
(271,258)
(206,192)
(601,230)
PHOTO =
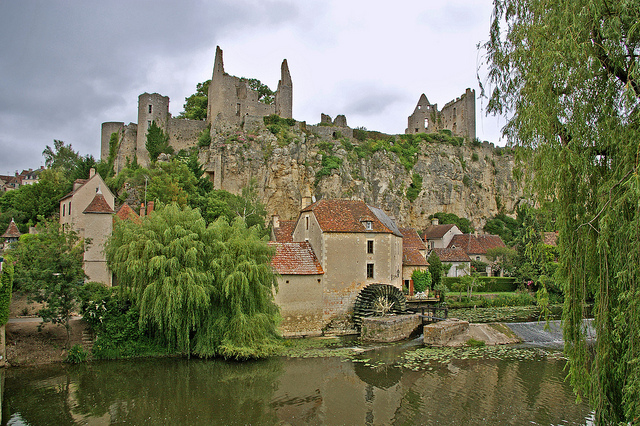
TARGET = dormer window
(368,225)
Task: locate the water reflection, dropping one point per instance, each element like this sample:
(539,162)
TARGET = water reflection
(293,391)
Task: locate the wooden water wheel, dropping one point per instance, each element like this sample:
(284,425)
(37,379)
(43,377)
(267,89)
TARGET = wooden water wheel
(376,300)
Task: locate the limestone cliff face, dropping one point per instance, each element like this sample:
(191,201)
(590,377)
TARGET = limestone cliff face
(472,182)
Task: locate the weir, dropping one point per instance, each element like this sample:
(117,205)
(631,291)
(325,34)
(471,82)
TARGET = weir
(534,332)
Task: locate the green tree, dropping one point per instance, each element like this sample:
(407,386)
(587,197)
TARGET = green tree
(49,269)
(435,268)
(462,223)
(470,282)
(421,280)
(6,287)
(204,290)
(28,202)
(61,156)
(157,142)
(568,74)
(195,107)
(265,95)
(502,258)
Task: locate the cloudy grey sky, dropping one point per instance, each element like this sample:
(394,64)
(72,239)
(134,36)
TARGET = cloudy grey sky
(67,66)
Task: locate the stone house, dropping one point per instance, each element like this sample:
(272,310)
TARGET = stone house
(88,210)
(476,246)
(413,256)
(11,235)
(439,236)
(337,248)
(456,257)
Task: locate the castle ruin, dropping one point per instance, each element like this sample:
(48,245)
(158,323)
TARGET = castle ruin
(458,115)
(230,101)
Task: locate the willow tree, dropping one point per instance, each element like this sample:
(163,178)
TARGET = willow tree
(567,75)
(200,289)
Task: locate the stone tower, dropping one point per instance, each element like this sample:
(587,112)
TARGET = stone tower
(284,94)
(151,107)
(230,99)
(458,115)
(424,118)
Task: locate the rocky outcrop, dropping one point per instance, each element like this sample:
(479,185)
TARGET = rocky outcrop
(287,164)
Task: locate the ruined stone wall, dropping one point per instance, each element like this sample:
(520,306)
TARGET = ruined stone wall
(127,148)
(424,118)
(105,136)
(459,115)
(183,134)
(331,132)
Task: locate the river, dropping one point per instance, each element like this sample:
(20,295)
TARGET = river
(397,384)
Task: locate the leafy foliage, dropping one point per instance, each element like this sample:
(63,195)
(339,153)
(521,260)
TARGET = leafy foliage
(49,269)
(205,290)
(329,164)
(435,268)
(195,106)
(6,287)
(421,280)
(568,73)
(504,226)
(157,142)
(414,187)
(462,223)
(265,95)
(204,139)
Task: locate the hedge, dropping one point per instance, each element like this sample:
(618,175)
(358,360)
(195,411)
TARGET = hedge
(489,284)
(6,285)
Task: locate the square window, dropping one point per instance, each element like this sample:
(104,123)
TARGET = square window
(370,246)
(369,270)
(368,225)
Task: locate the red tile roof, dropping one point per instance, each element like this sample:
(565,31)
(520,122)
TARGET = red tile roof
(126,213)
(347,216)
(451,255)
(413,257)
(12,231)
(295,259)
(284,233)
(476,245)
(98,205)
(411,239)
(435,232)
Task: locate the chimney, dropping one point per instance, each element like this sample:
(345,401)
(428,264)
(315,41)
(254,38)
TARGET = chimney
(142,210)
(92,172)
(435,221)
(275,220)
(305,202)
(150,207)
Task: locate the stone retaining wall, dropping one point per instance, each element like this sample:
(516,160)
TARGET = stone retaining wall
(390,328)
(439,333)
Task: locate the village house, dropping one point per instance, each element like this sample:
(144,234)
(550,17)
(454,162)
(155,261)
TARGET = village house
(88,210)
(334,250)
(439,236)
(11,235)
(476,246)
(413,256)
(459,263)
